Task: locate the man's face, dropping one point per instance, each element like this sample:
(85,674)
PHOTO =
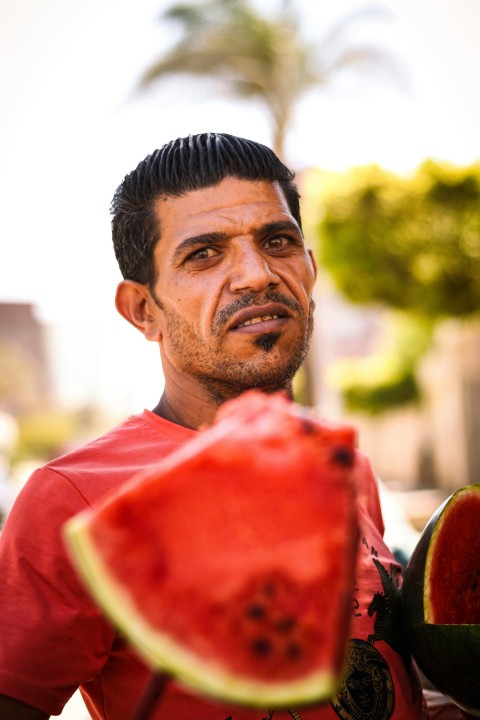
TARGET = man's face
(233,287)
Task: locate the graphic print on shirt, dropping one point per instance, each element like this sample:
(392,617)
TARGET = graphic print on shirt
(366,691)
(389,623)
(386,608)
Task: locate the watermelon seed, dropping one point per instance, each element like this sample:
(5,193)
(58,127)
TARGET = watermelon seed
(256,611)
(342,456)
(285,624)
(262,646)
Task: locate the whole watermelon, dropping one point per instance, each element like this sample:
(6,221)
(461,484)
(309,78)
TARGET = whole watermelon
(441,599)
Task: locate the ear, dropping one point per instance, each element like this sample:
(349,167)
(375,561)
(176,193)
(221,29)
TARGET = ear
(134,302)
(313,261)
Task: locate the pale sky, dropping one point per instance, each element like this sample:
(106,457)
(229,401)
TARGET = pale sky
(71,127)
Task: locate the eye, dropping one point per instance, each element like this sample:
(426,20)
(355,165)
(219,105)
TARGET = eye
(280,242)
(202,254)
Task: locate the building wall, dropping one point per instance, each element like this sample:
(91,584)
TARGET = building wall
(24,364)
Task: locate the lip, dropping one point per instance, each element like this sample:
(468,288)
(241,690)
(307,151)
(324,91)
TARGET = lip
(275,315)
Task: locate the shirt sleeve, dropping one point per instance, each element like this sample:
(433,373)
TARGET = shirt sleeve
(53,638)
(367,492)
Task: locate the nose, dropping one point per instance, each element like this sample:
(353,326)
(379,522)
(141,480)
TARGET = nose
(251,270)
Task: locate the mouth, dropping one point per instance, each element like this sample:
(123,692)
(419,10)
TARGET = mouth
(256,320)
(260,319)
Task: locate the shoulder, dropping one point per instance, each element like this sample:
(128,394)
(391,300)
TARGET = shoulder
(104,464)
(368,491)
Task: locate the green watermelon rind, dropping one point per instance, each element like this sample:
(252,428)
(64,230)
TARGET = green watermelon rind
(430,642)
(163,653)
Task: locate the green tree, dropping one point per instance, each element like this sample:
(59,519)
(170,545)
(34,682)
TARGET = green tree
(255,56)
(411,244)
(385,379)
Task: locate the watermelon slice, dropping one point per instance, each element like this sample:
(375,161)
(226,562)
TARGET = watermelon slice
(231,564)
(441,599)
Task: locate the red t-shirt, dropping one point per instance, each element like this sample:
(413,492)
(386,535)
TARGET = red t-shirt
(53,638)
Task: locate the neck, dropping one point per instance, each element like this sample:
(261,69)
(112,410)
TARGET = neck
(193,402)
(178,413)
(190,411)
(185,402)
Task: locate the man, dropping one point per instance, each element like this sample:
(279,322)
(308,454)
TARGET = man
(207,233)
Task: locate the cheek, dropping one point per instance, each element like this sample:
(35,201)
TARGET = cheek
(305,283)
(193,309)
(183,302)
(301,277)
(205,303)
(176,293)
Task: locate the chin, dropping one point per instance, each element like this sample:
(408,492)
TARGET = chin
(271,376)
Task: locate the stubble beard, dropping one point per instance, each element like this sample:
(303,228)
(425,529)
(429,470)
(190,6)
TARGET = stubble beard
(226,376)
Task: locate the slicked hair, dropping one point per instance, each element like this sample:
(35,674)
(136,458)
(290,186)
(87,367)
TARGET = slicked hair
(181,166)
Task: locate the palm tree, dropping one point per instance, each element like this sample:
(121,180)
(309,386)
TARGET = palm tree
(255,56)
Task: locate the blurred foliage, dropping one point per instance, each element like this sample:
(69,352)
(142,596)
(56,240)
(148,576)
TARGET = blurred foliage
(387,393)
(385,379)
(410,243)
(44,430)
(47,433)
(300,387)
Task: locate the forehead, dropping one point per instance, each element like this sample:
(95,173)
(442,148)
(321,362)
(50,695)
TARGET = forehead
(234,206)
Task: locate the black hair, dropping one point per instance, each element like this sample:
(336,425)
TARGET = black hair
(179,167)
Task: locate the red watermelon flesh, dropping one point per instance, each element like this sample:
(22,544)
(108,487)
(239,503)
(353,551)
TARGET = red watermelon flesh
(452,588)
(231,564)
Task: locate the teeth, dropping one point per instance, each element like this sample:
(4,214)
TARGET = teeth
(256,320)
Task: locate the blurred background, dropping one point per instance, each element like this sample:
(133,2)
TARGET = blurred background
(375,106)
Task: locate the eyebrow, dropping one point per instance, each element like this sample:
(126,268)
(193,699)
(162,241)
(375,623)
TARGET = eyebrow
(203,239)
